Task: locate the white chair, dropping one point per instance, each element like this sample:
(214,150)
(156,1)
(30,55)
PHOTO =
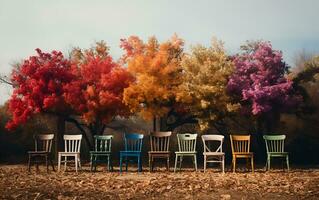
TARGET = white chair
(217,156)
(72,144)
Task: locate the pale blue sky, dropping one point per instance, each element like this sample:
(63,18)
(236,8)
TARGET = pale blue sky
(290,25)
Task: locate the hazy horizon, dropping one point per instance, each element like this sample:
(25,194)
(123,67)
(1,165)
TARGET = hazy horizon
(291,26)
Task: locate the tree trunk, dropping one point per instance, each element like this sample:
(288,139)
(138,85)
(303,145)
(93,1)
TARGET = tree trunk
(58,135)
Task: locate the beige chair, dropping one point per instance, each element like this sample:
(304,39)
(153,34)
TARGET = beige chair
(72,144)
(43,146)
(213,156)
(159,148)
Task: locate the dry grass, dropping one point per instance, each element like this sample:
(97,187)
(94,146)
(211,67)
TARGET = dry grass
(16,183)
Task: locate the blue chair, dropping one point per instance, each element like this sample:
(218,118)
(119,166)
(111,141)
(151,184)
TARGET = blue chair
(133,149)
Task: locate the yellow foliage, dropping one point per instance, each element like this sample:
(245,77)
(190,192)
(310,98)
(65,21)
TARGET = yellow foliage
(205,76)
(157,69)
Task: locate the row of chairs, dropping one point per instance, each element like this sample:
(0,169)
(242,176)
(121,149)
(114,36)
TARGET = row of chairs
(159,149)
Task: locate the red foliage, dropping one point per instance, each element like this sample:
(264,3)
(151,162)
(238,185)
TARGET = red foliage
(38,86)
(97,92)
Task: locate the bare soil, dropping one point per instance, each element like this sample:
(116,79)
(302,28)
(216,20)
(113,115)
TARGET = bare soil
(17,183)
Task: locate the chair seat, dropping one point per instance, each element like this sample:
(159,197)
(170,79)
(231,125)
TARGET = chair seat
(38,152)
(277,154)
(159,152)
(213,153)
(130,153)
(100,152)
(243,155)
(186,152)
(69,153)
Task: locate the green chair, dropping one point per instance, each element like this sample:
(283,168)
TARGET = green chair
(275,148)
(102,151)
(186,148)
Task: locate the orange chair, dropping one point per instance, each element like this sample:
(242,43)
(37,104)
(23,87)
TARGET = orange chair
(240,145)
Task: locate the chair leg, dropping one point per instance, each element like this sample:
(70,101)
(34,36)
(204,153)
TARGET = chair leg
(153,163)
(180,162)
(205,163)
(287,161)
(46,163)
(234,164)
(95,162)
(126,163)
(91,162)
(167,164)
(36,158)
(76,163)
(121,158)
(150,162)
(223,164)
(268,163)
(252,164)
(59,162)
(108,163)
(176,158)
(29,163)
(139,163)
(51,162)
(65,161)
(195,162)
(79,159)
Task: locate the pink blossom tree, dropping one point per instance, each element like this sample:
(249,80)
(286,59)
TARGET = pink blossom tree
(260,82)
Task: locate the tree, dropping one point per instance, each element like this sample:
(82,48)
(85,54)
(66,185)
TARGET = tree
(97,92)
(260,82)
(206,72)
(38,87)
(157,71)
(90,85)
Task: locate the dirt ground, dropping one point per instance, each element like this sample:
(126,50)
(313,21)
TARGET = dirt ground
(17,183)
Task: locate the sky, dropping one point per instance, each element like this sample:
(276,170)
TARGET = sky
(292,26)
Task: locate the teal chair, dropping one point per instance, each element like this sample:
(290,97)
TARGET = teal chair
(102,151)
(275,148)
(133,150)
(186,148)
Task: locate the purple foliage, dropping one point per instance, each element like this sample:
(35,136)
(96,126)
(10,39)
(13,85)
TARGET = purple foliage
(259,79)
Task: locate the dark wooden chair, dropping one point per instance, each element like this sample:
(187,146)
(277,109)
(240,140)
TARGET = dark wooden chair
(159,148)
(43,146)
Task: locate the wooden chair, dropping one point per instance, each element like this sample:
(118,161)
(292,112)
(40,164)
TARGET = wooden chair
(102,150)
(72,144)
(133,149)
(186,148)
(43,146)
(159,148)
(240,145)
(217,155)
(275,148)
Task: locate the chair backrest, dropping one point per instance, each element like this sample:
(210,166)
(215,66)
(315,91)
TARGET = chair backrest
(240,143)
(160,141)
(72,143)
(275,143)
(209,139)
(43,142)
(103,143)
(187,142)
(133,141)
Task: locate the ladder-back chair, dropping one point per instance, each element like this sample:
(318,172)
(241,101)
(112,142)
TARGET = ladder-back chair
(72,146)
(275,148)
(43,146)
(159,142)
(102,151)
(240,145)
(186,148)
(133,149)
